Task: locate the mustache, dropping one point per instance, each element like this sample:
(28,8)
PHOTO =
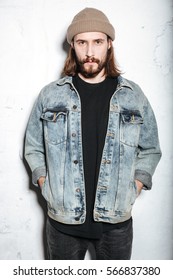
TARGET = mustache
(90,59)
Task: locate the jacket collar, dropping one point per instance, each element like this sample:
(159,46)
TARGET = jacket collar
(64,80)
(122,82)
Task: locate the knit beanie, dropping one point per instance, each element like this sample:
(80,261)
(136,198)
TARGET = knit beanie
(90,20)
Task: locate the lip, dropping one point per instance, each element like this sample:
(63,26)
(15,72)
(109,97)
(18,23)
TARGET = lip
(90,62)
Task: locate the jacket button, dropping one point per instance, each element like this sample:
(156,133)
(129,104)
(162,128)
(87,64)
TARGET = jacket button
(77,190)
(106,161)
(75,161)
(73,134)
(74,107)
(110,134)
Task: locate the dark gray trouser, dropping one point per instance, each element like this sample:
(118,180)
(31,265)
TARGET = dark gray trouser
(114,245)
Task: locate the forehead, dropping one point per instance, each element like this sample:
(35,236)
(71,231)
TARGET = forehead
(90,36)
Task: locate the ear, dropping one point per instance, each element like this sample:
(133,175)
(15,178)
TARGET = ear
(72,44)
(109,43)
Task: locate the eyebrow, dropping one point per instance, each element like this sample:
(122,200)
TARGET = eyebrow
(84,40)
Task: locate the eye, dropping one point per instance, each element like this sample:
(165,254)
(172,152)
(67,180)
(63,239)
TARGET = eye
(98,42)
(81,43)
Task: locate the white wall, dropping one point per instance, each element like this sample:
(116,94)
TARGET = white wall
(32,53)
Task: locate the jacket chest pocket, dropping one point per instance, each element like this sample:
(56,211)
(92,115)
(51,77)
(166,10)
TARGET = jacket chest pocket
(55,125)
(131,121)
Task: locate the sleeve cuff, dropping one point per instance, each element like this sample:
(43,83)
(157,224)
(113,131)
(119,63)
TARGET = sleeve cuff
(37,173)
(145,178)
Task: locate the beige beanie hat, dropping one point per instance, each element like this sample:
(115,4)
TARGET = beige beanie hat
(90,20)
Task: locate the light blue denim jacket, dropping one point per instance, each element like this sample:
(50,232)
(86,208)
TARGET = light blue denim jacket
(53,148)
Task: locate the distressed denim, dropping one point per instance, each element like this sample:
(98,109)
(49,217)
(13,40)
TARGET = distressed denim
(113,245)
(53,148)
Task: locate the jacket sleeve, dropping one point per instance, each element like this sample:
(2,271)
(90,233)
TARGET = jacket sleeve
(34,143)
(149,152)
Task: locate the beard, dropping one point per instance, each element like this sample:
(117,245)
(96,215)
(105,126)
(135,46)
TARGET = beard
(90,71)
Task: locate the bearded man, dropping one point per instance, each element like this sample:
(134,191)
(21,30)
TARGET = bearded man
(92,146)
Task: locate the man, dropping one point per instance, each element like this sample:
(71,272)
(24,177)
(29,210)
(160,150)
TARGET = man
(92,145)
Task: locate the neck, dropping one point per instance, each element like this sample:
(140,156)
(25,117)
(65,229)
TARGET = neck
(97,79)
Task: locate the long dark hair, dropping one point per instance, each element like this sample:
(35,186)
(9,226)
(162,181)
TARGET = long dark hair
(71,68)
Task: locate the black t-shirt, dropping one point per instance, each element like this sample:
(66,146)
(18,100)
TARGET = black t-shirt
(95,100)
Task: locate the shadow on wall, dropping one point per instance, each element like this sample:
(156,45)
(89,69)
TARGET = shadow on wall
(65,46)
(42,204)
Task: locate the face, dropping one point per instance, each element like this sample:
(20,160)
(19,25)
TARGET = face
(91,53)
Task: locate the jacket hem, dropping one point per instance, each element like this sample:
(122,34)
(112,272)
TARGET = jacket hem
(112,219)
(72,219)
(68,217)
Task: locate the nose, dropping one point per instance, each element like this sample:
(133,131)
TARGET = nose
(90,50)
